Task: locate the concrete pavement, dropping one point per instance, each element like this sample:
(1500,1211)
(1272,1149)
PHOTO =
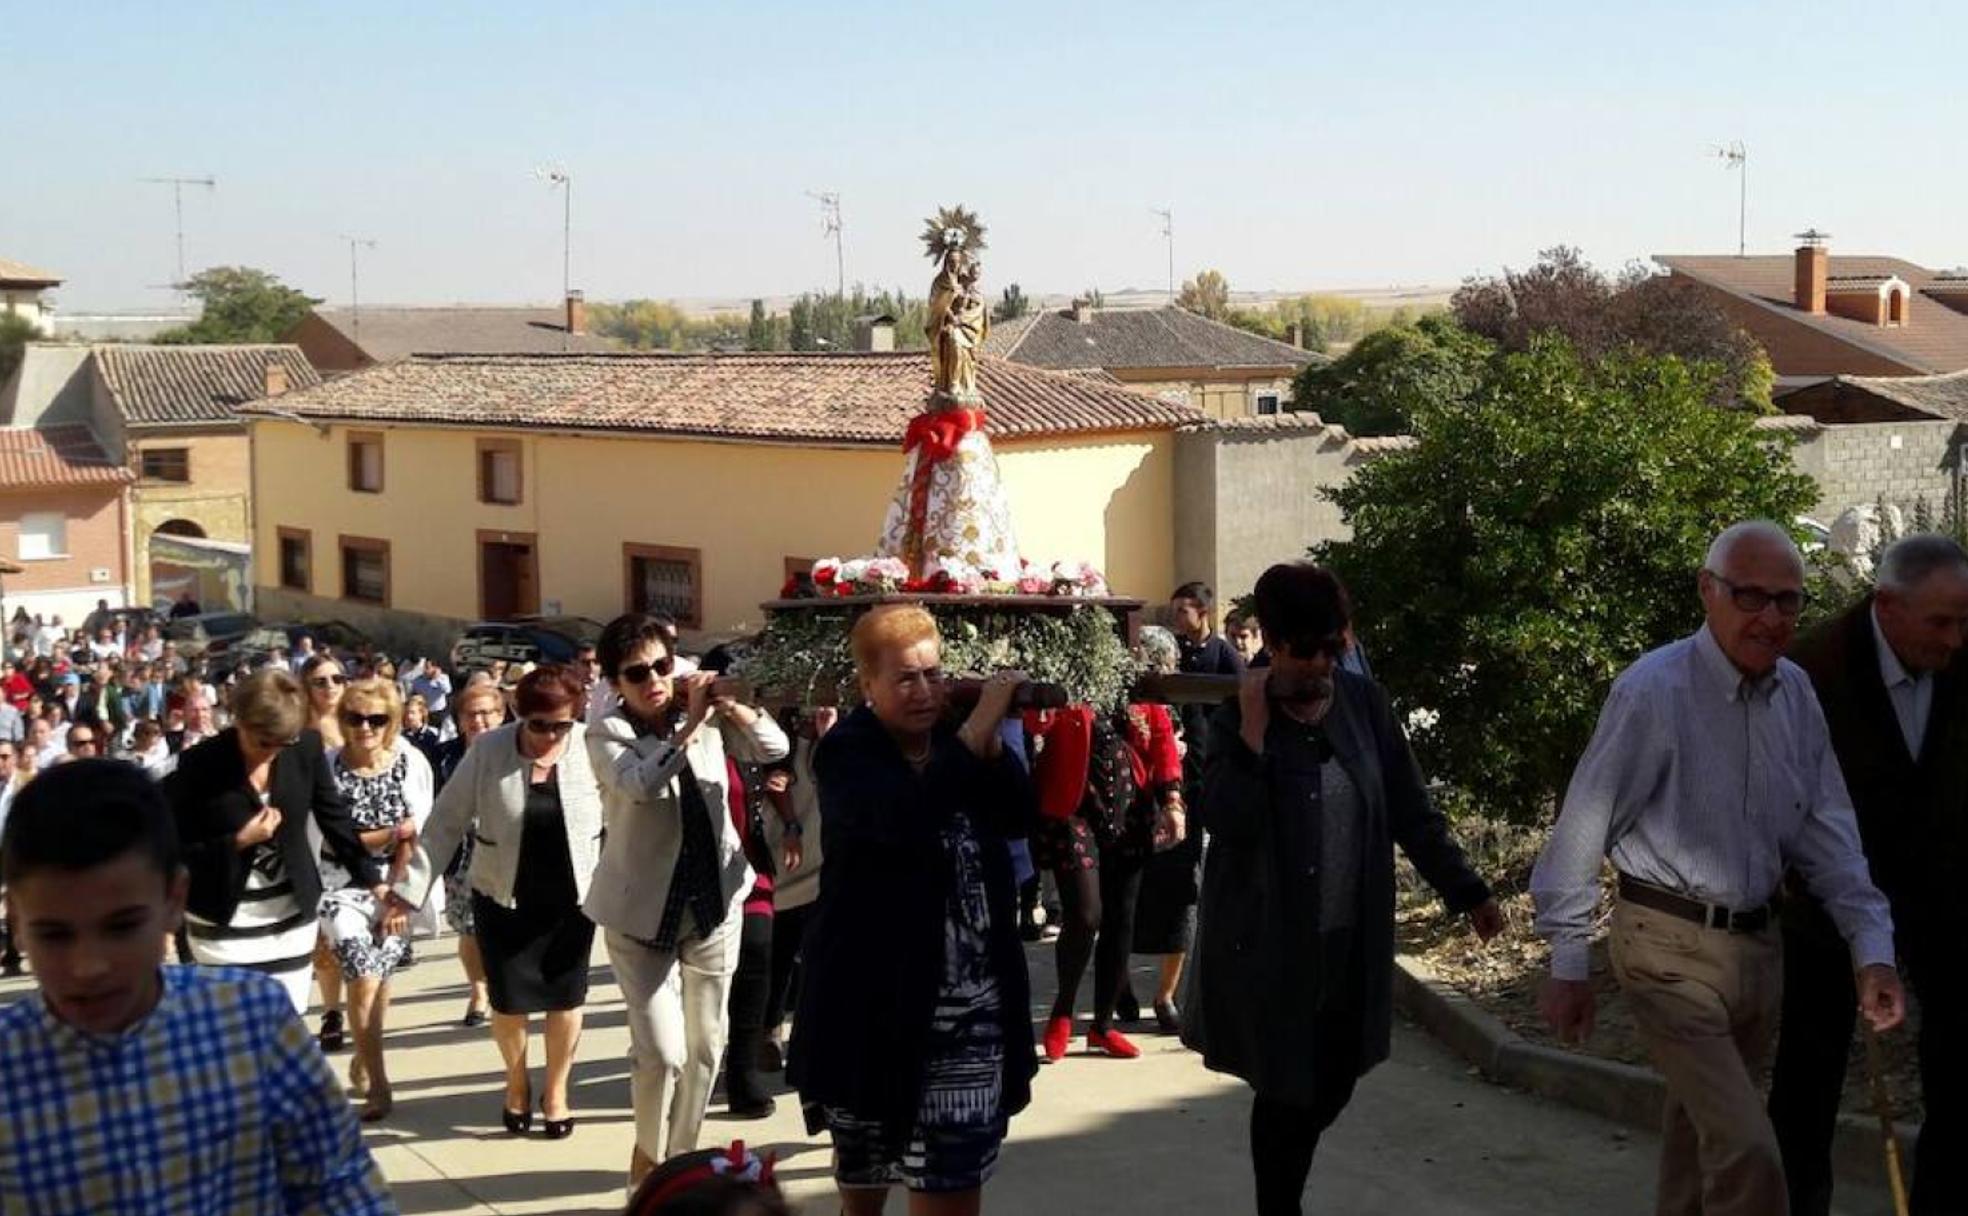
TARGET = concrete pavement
(1156,1135)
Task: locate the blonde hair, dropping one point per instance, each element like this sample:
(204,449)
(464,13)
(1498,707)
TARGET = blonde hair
(890,627)
(270,703)
(374,689)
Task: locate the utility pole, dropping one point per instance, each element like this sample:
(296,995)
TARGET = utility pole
(1168,234)
(1736,156)
(177,185)
(355,286)
(830,225)
(556,175)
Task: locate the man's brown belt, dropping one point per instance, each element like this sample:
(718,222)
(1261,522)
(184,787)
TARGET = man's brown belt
(1707,915)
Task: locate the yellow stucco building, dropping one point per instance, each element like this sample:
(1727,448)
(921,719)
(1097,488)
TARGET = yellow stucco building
(417,496)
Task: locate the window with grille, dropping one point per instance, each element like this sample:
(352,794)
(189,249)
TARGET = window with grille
(296,559)
(166,464)
(365,463)
(498,471)
(665,580)
(365,570)
(1267,403)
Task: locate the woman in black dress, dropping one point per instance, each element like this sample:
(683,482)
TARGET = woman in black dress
(527,795)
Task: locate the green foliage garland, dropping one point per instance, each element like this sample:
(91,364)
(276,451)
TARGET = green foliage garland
(804,654)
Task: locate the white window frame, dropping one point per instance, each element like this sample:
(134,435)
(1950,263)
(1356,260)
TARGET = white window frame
(57,536)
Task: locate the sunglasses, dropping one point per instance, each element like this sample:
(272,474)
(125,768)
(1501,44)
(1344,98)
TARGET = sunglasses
(549,726)
(372,721)
(327,681)
(639,673)
(275,745)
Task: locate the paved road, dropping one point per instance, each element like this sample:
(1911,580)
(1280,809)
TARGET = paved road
(1155,1135)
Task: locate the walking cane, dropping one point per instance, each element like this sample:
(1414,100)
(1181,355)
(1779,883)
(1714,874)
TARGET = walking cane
(1876,1065)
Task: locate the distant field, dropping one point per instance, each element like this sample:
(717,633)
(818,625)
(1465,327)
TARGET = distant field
(1417,298)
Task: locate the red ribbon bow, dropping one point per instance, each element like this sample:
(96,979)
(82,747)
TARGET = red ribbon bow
(937,433)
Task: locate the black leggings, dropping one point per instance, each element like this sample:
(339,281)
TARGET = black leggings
(788,931)
(1284,1135)
(749,986)
(1097,903)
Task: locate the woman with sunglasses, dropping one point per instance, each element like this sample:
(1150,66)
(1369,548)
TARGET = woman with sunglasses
(326,681)
(387,784)
(526,794)
(242,800)
(672,877)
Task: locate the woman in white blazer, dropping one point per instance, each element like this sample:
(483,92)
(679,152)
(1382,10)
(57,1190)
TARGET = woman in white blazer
(526,794)
(673,874)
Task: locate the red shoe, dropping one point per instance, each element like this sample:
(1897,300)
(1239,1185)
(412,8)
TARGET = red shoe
(1058,1033)
(1113,1043)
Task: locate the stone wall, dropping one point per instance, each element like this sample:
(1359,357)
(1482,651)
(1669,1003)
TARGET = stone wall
(1859,463)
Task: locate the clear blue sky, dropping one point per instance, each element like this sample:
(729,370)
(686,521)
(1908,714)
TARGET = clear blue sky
(1301,145)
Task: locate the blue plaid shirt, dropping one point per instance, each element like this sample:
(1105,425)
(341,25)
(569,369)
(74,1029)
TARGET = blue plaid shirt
(217,1104)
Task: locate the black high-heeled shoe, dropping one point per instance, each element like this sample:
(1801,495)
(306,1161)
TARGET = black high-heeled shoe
(517,1121)
(556,1129)
(332,1037)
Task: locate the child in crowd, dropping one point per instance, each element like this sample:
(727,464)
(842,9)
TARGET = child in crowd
(710,1182)
(135,1087)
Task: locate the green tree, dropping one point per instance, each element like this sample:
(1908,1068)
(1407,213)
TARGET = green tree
(1013,306)
(1542,533)
(240,304)
(1652,313)
(15,333)
(758,331)
(1393,376)
(1206,295)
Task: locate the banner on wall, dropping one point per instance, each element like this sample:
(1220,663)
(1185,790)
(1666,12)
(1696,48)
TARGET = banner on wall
(218,573)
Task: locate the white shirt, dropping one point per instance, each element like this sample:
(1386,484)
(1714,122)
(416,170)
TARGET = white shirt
(1912,695)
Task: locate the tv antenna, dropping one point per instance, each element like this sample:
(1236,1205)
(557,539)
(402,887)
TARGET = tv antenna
(1736,156)
(177,185)
(355,286)
(830,225)
(1168,234)
(557,175)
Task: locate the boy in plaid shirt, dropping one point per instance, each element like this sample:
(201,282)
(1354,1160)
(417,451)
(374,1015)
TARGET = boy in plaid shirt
(135,1087)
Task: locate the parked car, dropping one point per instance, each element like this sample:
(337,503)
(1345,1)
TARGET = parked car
(338,638)
(209,635)
(533,639)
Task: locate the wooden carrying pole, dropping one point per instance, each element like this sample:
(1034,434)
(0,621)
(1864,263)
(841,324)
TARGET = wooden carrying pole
(1876,1066)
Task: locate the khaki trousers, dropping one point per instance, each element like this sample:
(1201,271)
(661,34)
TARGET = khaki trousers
(677,1026)
(1705,1002)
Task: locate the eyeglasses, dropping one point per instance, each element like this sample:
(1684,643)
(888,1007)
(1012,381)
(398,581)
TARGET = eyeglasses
(372,721)
(1756,599)
(549,726)
(639,673)
(327,681)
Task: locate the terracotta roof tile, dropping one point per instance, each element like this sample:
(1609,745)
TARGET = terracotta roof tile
(194,385)
(21,273)
(1935,338)
(64,455)
(1941,396)
(1137,337)
(849,397)
(392,333)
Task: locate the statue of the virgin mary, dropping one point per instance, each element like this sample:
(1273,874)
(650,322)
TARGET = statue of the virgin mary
(950,514)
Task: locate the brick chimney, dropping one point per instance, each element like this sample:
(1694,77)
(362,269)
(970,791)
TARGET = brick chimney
(1295,335)
(1813,266)
(1082,312)
(577,313)
(276,378)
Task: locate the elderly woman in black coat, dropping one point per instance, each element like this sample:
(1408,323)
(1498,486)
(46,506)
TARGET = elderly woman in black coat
(1309,786)
(913,1042)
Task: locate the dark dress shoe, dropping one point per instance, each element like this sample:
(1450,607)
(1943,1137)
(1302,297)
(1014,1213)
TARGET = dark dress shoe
(761,1109)
(1126,1008)
(474,1017)
(517,1121)
(556,1129)
(1168,1017)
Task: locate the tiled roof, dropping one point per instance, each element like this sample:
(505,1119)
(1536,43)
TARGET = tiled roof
(842,398)
(20,274)
(392,333)
(194,385)
(1942,396)
(65,455)
(1935,338)
(1137,338)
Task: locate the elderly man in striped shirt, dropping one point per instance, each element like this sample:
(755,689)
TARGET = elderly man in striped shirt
(1711,771)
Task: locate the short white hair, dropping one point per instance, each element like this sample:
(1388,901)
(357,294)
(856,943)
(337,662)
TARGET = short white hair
(1724,546)
(1911,560)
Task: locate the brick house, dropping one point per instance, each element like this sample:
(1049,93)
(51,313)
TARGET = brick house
(1171,352)
(63,503)
(1822,315)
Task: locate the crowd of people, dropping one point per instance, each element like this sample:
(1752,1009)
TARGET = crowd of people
(875,873)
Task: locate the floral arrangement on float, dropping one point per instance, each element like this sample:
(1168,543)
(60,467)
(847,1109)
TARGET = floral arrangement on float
(831,576)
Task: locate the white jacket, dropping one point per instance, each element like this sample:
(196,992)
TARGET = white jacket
(643,805)
(486,797)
